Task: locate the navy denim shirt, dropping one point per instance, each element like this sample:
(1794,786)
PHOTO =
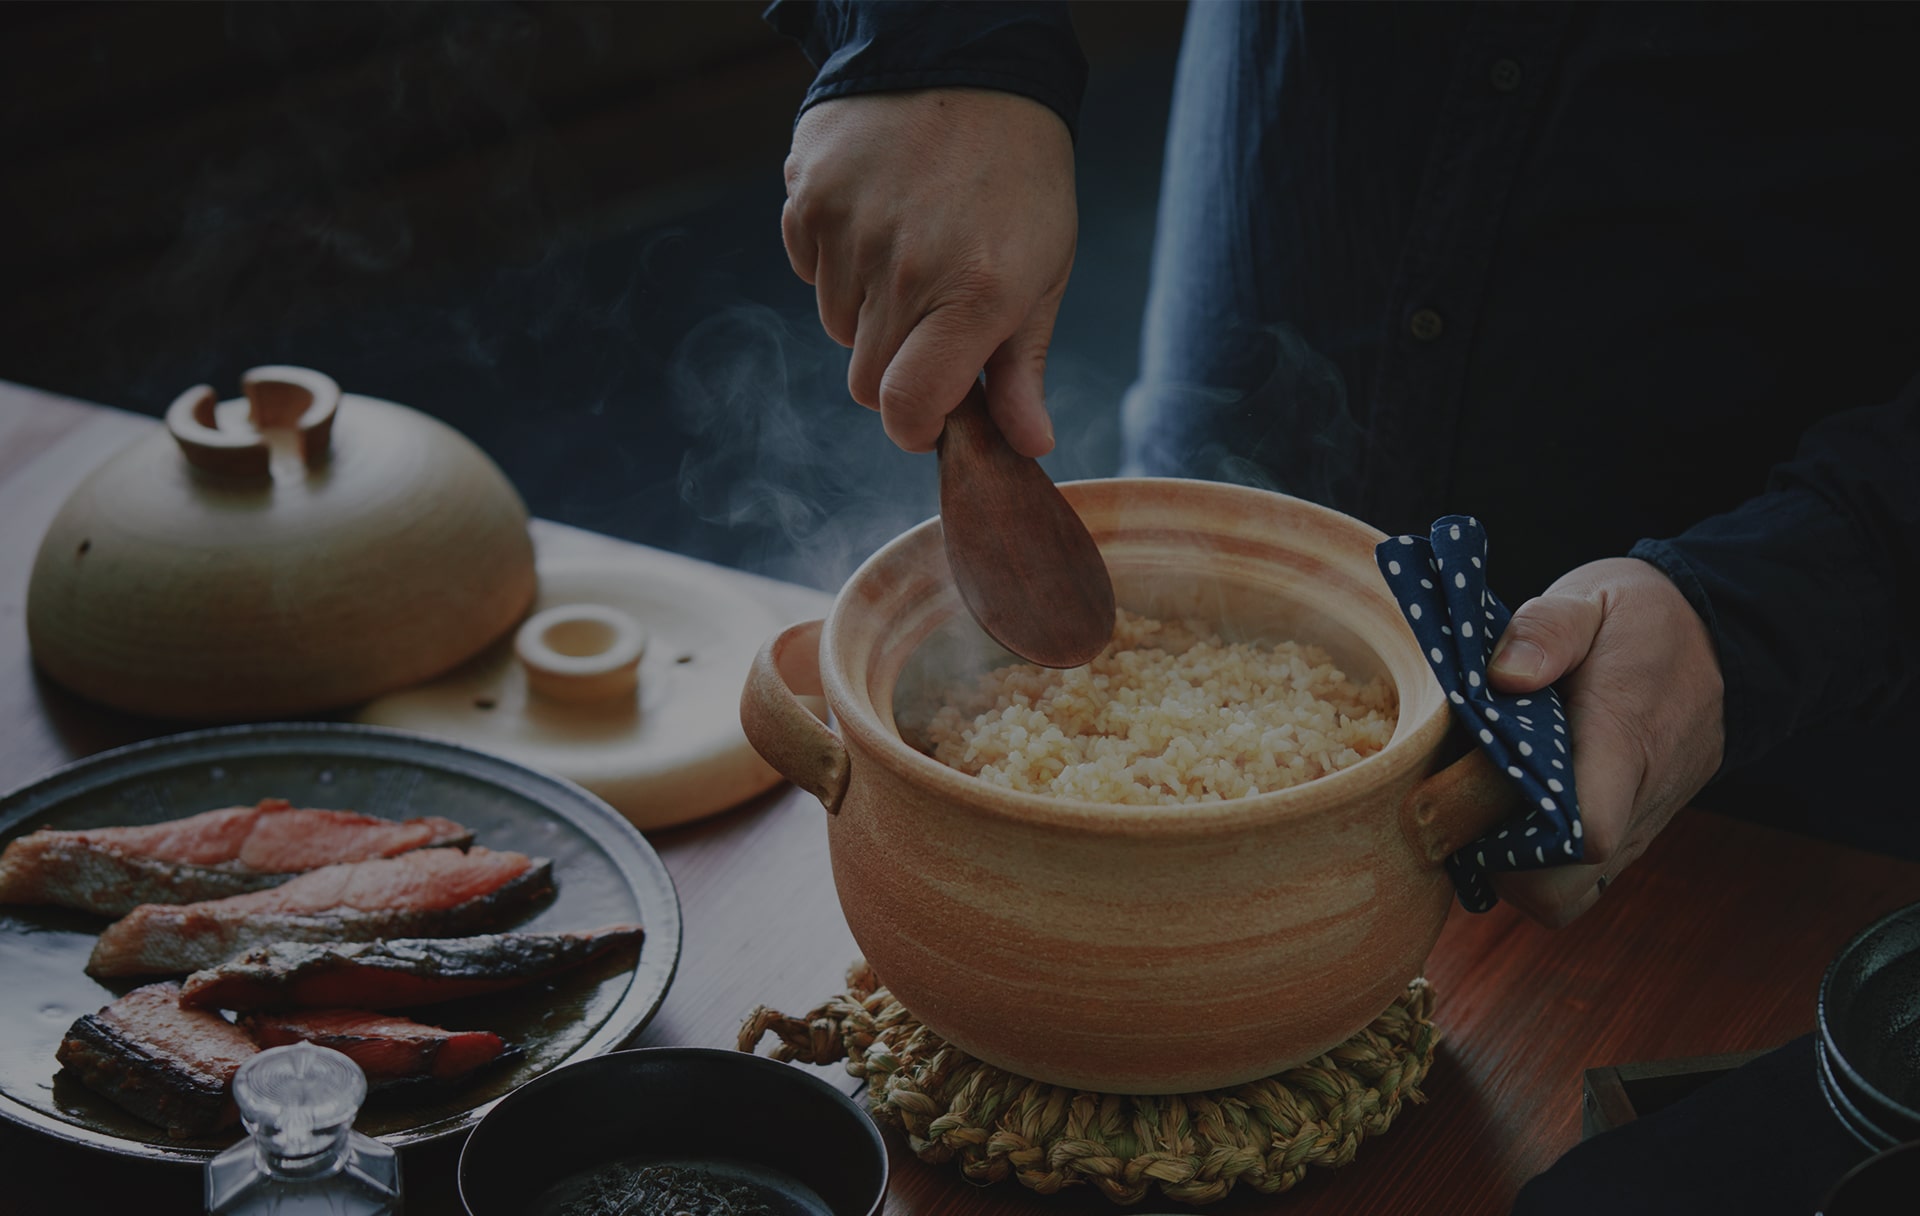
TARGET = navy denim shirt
(1611,278)
(1022,48)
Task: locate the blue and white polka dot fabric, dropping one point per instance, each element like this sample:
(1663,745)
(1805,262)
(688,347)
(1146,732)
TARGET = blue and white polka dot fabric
(1441,584)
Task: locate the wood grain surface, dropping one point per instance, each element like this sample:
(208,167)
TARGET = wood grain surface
(1714,942)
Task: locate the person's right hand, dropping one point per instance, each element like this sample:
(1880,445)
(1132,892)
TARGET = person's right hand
(937,228)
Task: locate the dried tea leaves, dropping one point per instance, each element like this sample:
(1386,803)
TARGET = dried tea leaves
(660,1190)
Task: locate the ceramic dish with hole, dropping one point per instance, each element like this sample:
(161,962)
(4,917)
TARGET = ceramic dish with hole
(626,681)
(700,1116)
(604,873)
(1867,1025)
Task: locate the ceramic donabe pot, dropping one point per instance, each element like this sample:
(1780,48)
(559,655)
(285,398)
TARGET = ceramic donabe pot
(1129,949)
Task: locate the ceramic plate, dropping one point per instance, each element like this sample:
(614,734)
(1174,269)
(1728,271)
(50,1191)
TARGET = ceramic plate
(604,872)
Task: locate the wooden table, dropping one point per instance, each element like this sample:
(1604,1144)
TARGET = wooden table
(1713,943)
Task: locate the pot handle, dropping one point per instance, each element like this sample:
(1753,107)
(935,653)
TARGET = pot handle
(786,733)
(1457,805)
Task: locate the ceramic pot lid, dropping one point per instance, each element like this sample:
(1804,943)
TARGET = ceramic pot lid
(293,551)
(625,680)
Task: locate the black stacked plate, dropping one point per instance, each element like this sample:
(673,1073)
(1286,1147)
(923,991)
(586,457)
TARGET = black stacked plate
(1868,1032)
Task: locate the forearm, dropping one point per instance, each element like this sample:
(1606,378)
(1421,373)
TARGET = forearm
(861,46)
(1809,590)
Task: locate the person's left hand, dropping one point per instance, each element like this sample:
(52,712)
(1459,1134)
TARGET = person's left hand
(1643,694)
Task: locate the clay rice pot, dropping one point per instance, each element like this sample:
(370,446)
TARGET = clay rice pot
(1130,949)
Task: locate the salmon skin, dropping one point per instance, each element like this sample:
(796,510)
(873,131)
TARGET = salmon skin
(396,974)
(427,893)
(387,1047)
(112,871)
(166,1064)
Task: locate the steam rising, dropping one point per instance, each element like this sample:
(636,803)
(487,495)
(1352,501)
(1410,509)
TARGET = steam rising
(1292,432)
(424,202)
(775,444)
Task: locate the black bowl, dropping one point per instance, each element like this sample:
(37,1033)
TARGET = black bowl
(739,1116)
(1847,1110)
(1868,1023)
(1886,1182)
(1872,1120)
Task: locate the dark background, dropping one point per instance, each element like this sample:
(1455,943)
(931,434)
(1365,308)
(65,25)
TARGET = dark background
(555,226)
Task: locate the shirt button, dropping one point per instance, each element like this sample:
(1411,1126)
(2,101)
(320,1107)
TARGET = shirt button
(1425,325)
(1504,75)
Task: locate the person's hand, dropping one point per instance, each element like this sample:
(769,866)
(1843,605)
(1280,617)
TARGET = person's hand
(937,228)
(1643,696)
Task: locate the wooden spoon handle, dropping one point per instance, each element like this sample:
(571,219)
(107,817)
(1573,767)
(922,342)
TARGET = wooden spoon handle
(1026,567)
(971,432)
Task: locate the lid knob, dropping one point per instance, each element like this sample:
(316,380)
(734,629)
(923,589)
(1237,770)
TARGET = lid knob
(581,652)
(294,404)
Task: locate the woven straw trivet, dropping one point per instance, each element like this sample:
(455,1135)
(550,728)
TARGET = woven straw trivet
(1195,1147)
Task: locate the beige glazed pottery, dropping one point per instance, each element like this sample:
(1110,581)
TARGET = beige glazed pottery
(625,680)
(1129,949)
(293,551)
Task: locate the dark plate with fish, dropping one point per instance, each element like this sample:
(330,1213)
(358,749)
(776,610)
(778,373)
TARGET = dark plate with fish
(518,975)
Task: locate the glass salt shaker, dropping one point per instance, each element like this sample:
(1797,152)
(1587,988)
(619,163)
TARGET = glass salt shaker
(302,1156)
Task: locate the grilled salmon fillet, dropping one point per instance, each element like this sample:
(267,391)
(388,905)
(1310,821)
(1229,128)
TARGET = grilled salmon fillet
(395,974)
(230,851)
(387,1047)
(166,1064)
(427,893)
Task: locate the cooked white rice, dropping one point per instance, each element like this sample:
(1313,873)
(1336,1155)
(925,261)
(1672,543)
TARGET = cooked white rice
(1168,713)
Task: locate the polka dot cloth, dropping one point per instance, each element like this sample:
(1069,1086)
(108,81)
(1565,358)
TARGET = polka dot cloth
(1441,583)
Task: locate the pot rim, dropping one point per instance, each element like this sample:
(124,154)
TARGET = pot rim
(867,736)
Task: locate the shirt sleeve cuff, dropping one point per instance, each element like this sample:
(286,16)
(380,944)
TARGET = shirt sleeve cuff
(1809,589)
(1737,703)
(1027,49)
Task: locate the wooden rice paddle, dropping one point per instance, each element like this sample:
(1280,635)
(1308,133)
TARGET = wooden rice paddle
(1024,562)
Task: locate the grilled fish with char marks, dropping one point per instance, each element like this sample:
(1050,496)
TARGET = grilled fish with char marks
(428,893)
(388,1048)
(395,974)
(166,1064)
(211,855)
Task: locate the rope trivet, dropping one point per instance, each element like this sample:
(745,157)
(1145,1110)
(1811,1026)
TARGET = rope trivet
(1194,1146)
